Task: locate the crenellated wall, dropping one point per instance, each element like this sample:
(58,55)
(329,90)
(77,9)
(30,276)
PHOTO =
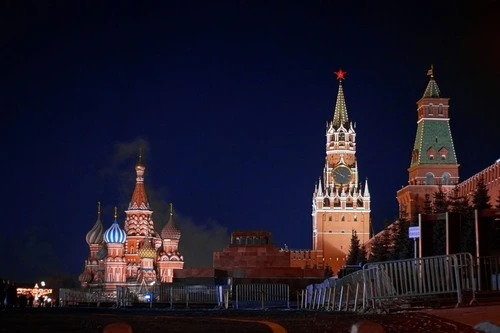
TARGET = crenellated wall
(491,176)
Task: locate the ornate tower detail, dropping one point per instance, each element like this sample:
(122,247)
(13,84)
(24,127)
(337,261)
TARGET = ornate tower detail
(170,258)
(138,223)
(433,164)
(148,255)
(340,206)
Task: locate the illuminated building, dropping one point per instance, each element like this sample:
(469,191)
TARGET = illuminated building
(340,204)
(136,254)
(433,164)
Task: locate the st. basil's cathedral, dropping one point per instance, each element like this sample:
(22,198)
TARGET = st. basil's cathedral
(136,254)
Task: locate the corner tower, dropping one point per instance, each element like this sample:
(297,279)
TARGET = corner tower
(433,164)
(340,204)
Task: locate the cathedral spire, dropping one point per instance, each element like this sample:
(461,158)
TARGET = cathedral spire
(139,198)
(340,115)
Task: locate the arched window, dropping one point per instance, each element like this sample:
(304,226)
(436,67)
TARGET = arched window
(446,178)
(326,202)
(429,178)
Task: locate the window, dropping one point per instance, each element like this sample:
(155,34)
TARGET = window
(440,110)
(429,178)
(446,178)
(355,218)
(330,218)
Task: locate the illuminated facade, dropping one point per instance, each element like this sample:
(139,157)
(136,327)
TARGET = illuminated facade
(340,204)
(136,253)
(433,164)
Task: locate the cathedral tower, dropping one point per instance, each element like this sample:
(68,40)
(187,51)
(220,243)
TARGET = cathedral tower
(433,164)
(139,223)
(341,206)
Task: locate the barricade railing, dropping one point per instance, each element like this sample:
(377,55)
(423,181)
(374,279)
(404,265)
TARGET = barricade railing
(403,280)
(262,296)
(487,270)
(345,294)
(163,295)
(382,285)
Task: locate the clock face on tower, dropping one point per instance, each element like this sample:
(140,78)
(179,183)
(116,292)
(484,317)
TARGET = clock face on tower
(342,174)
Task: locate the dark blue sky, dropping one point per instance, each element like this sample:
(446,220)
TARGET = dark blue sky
(229,103)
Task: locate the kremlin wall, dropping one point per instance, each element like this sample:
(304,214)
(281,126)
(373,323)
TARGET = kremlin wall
(138,254)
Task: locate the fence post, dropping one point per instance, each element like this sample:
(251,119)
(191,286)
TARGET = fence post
(171,292)
(226,299)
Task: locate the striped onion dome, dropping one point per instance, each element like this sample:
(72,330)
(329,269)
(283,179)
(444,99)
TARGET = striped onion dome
(115,234)
(85,277)
(102,253)
(147,251)
(94,236)
(170,230)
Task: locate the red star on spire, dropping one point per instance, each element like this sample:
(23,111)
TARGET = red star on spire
(340,74)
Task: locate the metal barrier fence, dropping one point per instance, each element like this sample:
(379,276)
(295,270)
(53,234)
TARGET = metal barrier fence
(161,295)
(73,297)
(262,296)
(488,273)
(405,280)
(383,285)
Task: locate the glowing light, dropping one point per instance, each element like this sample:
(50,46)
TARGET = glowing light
(340,74)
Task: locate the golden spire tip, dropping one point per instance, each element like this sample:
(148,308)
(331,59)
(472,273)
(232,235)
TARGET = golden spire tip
(116,212)
(171,209)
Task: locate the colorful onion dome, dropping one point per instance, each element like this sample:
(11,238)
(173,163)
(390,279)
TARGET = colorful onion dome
(102,253)
(115,234)
(147,251)
(170,230)
(85,277)
(94,236)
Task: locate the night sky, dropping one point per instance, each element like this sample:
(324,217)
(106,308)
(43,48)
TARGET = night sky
(229,104)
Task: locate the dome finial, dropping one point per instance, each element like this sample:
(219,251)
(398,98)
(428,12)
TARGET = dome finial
(116,212)
(98,208)
(430,72)
(171,209)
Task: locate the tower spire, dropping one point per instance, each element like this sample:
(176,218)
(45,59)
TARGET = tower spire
(367,192)
(116,213)
(171,209)
(139,198)
(432,89)
(340,114)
